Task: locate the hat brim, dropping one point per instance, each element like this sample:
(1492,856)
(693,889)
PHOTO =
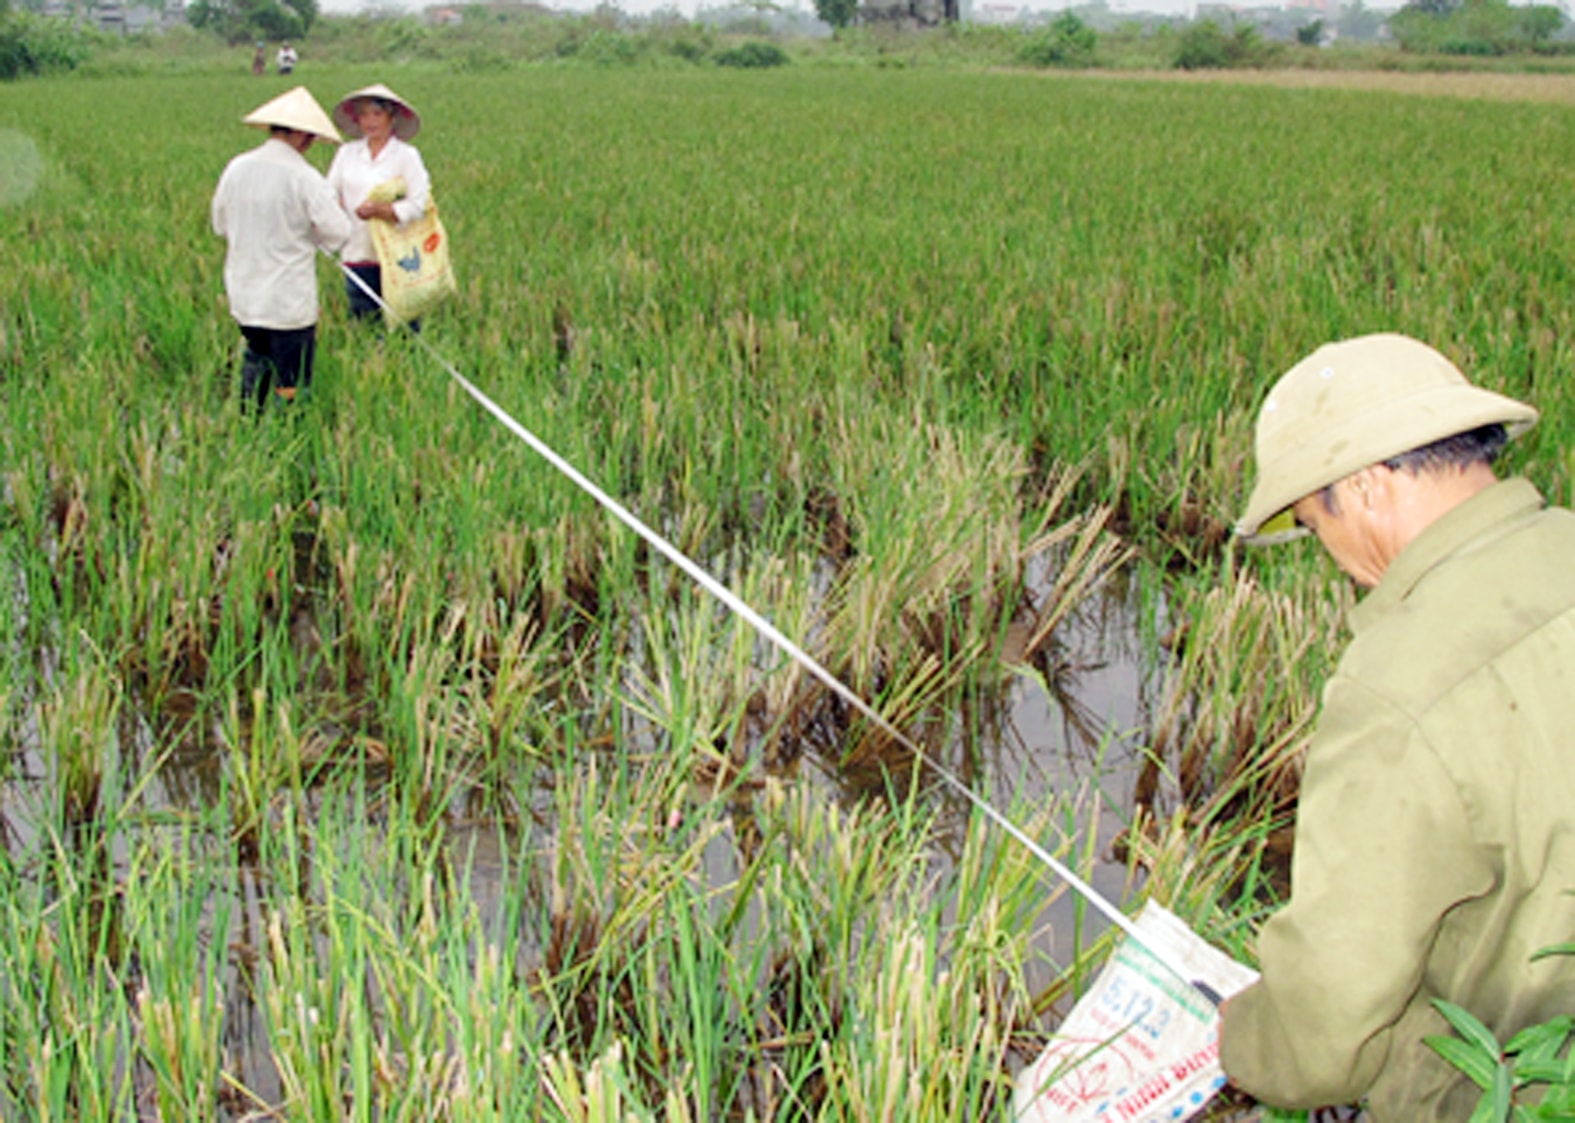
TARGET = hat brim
(294,109)
(1275,529)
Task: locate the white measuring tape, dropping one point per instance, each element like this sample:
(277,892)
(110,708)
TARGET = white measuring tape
(798,655)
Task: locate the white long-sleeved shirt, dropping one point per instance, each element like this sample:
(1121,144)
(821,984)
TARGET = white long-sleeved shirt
(276,211)
(355,172)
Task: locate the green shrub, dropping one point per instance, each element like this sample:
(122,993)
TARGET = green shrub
(1207,46)
(678,38)
(1065,41)
(588,41)
(405,38)
(34,44)
(754,55)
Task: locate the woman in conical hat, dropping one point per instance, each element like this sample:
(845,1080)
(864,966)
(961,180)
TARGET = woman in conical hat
(379,177)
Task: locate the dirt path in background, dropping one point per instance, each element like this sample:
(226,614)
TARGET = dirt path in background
(1555,88)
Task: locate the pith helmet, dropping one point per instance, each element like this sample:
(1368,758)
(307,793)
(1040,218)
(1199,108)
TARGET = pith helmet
(407,122)
(1356,403)
(297,109)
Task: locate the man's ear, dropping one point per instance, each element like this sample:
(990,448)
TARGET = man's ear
(1370,484)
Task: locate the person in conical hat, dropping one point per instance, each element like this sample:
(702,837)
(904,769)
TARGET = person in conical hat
(405,121)
(1433,851)
(378,176)
(297,111)
(276,212)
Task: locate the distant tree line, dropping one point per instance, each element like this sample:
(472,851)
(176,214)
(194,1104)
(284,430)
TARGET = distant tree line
(1088,34)
(1475,27)
(241,21)
(1458,27)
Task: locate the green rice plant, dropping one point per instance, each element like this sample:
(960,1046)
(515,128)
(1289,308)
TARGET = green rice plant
(15,669)
(53,1067)
(596,1095)
(78,734)
(914,1053)
(64,1022)
(937,527)
(685,1037)
(1231,696)
(998,896)
(428,761)
(492,1023)
(264,757)
(317,1024)
(611,863)
(386,994)
(1080,551)
(179,921)
(699,683)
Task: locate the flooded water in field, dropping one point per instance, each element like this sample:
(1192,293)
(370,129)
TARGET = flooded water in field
(1067,726)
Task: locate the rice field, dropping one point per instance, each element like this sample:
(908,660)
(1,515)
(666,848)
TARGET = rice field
(356,765)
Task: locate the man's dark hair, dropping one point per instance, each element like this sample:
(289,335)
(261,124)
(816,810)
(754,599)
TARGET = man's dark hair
(1452,453)
(1458,452)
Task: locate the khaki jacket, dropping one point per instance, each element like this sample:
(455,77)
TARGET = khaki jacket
(1435,841)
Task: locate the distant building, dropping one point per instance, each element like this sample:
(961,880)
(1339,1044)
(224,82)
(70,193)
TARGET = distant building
(1000,14)
(904,13)
(117,18)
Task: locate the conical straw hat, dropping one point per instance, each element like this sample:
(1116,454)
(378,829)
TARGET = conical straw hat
(407,122)
(297,109)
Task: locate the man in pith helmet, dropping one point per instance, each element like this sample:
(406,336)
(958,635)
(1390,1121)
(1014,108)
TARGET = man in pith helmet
(1435,839)
(276,211)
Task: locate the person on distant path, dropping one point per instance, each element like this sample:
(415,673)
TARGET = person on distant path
(287,58)
(259,63)
(276,211)
(1435,843)
(381,125)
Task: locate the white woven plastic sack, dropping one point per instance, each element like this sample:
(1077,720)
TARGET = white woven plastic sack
(1141,1046)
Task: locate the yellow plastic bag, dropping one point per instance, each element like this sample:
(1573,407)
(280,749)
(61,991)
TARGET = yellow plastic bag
(417,271)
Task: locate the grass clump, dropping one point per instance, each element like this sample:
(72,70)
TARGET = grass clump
(753,54)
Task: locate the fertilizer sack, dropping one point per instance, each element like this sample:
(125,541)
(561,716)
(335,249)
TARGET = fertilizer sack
(413,259)
(1141,1046)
